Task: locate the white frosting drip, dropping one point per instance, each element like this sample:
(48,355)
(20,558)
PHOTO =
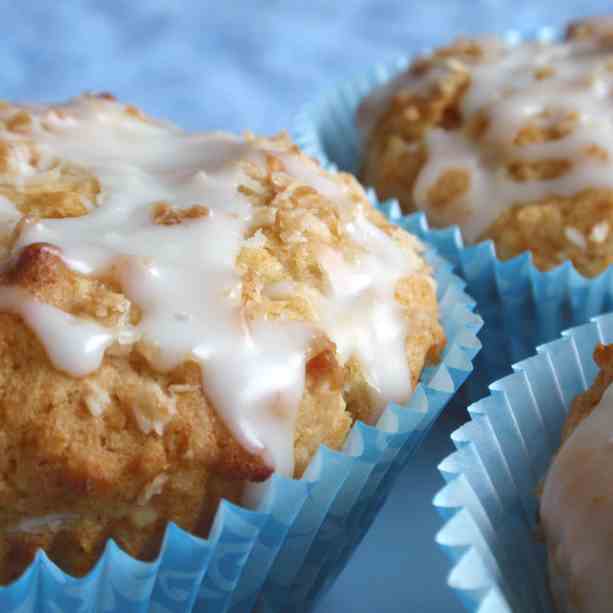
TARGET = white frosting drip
(7,208)
(74,345)
(505,87)
(361,315)
(577,507)
(183,277)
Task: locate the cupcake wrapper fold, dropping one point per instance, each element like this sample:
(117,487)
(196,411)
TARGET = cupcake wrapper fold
(286,553)
(520,305)
(489,502)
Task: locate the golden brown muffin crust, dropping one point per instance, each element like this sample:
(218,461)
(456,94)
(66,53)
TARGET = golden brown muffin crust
(86,451)
(585,403)
(430,96)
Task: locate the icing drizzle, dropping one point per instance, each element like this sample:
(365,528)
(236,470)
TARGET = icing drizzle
(539,83)
(184,277)
(576,508)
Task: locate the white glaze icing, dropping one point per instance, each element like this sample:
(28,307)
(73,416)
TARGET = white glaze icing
(504,86)
(7,208)
(362,317)
(184,279)
(576,510)
(74,345)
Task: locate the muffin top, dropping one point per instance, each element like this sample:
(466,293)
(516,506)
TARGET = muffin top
(482,126)
(577,502)
(240,259)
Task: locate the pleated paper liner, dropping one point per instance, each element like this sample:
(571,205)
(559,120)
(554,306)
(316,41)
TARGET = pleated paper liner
(284,555)
(489,502)
(520,305)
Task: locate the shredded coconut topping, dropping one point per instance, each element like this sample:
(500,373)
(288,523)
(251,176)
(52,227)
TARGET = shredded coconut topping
(575,237)
(154,488)
(54,522)
(557,87)
(166,217)
(600,232)
(97,399)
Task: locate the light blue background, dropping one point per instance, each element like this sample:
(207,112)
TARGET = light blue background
(251,65)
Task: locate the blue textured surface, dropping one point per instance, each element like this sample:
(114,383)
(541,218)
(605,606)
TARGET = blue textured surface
(238,65)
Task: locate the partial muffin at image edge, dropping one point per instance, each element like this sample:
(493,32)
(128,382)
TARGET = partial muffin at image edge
(576,501)
(181,314)
(510,142)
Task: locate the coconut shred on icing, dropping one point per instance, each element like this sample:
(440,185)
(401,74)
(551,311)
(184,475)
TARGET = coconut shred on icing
(537,82)
(184,277)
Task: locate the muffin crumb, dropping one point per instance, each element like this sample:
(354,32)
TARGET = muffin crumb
(446,137)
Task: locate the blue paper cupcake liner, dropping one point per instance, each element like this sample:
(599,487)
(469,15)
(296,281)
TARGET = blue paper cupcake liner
(286,553)
(520,305)
(489,502)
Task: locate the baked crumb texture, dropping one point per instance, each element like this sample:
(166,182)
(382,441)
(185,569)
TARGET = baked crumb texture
(513,144)
(585,403)
(120,450)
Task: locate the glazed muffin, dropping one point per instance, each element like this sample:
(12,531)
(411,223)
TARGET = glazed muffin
(577,500)
(511,142)
(181,315)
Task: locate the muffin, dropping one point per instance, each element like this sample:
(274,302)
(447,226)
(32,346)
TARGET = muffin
(510,142)
(181,315)
(577,501)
